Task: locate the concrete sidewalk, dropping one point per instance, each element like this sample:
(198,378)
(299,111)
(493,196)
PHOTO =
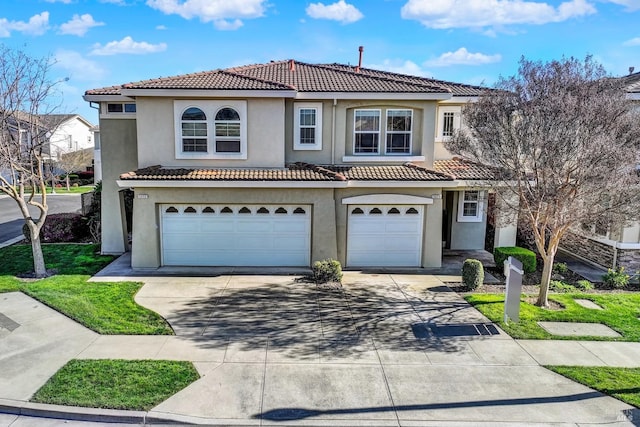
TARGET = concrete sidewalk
(385,350)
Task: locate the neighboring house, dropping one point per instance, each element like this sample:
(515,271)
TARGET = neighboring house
(605,244)
(286,163)
(71,132)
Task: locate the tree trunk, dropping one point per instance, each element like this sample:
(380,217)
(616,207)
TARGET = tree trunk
(68,186)
(39,267)
(547,269)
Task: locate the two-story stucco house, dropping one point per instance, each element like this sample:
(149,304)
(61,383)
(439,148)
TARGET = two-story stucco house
(605,244)
(286,163)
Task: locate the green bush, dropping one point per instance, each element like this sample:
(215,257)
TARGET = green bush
(559,286)
(328,270)
(560,268)
(525,256)
(616,278)
(584,285)
(61,228)
(472,274)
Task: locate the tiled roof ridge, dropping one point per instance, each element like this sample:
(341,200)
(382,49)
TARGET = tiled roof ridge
(435,172)
(352,71)
(161,79)
(320,169)
(256,79)
(256,65)
(408,76)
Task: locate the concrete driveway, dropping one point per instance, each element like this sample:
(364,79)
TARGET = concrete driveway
(384,349)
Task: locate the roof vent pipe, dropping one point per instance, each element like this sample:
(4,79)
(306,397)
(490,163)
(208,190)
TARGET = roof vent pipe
(631,70)
(360,49)
(292,65)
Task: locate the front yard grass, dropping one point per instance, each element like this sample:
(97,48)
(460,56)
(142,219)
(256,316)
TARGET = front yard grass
(116,384)
(107,308)
(621,383)
(620,312)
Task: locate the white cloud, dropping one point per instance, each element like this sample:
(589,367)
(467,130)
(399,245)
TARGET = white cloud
(401,67)
(79,25)
(632,42)
(118,2)
(37,25)
(225,14)
(441,14)
(59,1)
(339,11)
(225,25)
(463,57)
(127,45)
(161,27)
(630,4)
(78,67)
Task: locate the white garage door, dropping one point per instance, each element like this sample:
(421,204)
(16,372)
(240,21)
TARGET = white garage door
(384,236)
(236,235)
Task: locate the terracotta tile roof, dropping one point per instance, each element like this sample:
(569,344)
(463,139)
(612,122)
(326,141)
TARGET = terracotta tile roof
(278,75)
(295,172)
(464,169)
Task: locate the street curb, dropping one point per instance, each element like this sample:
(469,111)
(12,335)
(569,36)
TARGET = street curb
(11,242)
(75,413)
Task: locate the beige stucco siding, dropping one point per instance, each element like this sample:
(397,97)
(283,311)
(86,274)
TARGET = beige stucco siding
(157,135)
(147,226)
(468,235)
(432,227)
(118,155)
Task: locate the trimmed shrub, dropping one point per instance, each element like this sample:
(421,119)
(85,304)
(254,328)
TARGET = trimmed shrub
(328,270)
(560,268)
(616,278)
(62,228)
(472,274)
(559,286)
(584,285)
(525,256)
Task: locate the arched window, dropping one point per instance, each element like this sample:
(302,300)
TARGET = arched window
(194,131)
(227,124)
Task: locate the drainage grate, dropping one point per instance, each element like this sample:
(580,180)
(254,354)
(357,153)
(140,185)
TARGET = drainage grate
(454,330)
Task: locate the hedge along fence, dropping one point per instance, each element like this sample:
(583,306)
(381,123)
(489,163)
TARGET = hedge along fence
(525,256)
(62,228)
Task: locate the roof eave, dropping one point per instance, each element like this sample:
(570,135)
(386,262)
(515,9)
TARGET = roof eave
(421,96)
(109,97)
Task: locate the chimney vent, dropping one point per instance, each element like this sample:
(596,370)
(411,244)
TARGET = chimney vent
(292,65)
(360,50)
(631,70)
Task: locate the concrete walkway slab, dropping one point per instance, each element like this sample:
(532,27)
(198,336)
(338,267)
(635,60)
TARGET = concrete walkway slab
(622,354)
(579,329)
(560,353)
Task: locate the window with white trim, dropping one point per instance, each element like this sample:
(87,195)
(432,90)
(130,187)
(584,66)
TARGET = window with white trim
(121,107)
(448,121)
(307,126)
(470,204)
(366,129)
(193,125)
(211,129)
(399,131)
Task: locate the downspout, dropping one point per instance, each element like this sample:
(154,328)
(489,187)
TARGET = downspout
(333,131)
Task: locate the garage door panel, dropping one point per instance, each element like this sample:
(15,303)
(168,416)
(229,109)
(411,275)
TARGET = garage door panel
(384,236)
(255,237)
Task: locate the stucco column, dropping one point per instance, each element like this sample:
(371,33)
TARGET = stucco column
(112,241)
(432,243)
(506,219)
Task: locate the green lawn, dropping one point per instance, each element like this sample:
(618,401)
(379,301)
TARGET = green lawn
(107,308)
(621,383)
(621,312)
(116,384)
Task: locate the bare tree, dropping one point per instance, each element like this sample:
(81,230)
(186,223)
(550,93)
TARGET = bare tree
(566,142)
(72,161)
(26,93)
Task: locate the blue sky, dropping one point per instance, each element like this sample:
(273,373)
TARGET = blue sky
(98,43)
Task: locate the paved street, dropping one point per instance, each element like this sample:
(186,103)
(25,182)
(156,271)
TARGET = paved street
(11,220)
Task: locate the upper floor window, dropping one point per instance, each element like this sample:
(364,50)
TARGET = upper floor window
(211,129)
(227,131)
(399,131)
(470,204)
(121,107)
(307,126)
(366,132)
(448,121)
(194,131)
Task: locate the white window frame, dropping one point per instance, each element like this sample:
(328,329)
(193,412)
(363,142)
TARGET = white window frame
(297,145)
(355,132)
(205,138)
(479,206)
(457,112)
(210,108)
(392,132)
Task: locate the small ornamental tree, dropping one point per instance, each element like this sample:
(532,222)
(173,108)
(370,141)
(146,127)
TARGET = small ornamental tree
(566,142)
(25,95)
